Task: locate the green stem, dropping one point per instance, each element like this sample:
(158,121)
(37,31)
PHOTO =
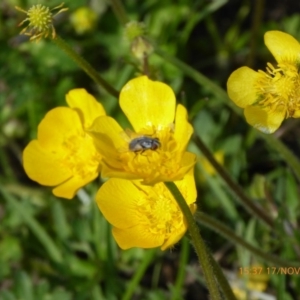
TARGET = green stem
(223,282)
(215,89)
(255,30)
(86,67)
(197,241)
(119,11)
(235,188)
(227,233)
(150,253)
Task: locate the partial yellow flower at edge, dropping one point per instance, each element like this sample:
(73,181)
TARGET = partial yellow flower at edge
(272,96)
(64,155)
(145,216)
(150,106)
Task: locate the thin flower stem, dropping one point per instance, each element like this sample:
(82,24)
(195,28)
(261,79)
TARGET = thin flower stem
(197,241)
(227,233)
(257,17)
(119,11)
(236,189)
(149,255)
(87,68)
(215,89)
(222,280)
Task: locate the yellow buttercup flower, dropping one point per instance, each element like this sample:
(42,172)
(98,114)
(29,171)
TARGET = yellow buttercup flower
(272,96)
(83,19)
(63,155)
(145,216)
(156,150)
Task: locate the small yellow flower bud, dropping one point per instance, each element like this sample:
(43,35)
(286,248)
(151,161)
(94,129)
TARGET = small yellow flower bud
(40,20)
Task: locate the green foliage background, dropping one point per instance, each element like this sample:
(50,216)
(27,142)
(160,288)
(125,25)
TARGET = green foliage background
(57,249)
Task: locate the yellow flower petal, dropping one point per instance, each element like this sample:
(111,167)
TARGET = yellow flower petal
(241,86)
(148,103)
(53,128)
(88,107)
(69,188)
(109,171)
(174,238)
(123,194)
(296,114)
(188,187)
(183,129)
(188,161)
(63,154)
(283,46)
(150,107)
(263,120)
(145,216)
(108,137)
(41,165)
(137,237)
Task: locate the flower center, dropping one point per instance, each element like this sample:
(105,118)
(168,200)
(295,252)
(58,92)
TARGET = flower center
(162,214)
(280,87)
(153,152)
(80,155)
(40,17)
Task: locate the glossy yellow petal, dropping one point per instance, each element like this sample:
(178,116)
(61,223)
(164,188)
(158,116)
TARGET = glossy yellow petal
(147,214)
(188,161)
(283,46)
(264,120)
(296,114)
(115,170)
(148,103)
(108,137)
(117,199)
(69,188)
(136,237)
(44,166)
(56,124)
(183,129)
(174,238)
(63,155)
(241,86)
(86,105)
(187,187)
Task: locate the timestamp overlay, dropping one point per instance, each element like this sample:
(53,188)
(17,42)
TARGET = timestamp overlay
(269,270)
